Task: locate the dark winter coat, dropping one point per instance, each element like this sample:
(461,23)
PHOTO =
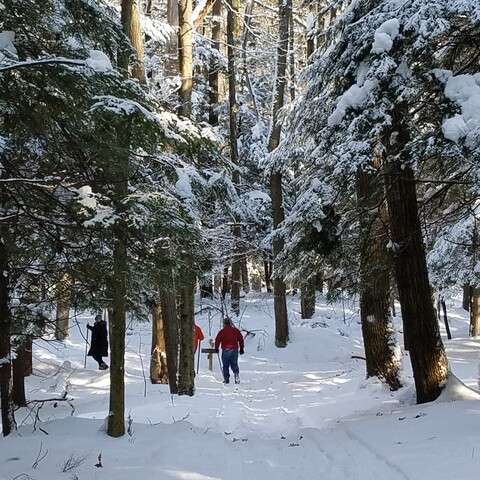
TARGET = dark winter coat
(99,343)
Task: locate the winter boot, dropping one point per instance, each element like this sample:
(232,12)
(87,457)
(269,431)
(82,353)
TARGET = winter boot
(237,378)
(103,366)
(226,380)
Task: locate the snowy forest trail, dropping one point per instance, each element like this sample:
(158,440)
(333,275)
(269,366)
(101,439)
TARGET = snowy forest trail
(302,412)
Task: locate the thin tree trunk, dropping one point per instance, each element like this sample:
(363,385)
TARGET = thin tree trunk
(118,284)
(232,37)
(63,309)
(158,358)
(225,282)
(475,312)
(27,357)
(130,18)
(291,41)
(279,289)
(244,274)
(445,318)
(171,66)
(467,294)
(186,367)
(170,325)
(6,398)
(311,25)
(18,390)
(116,416)
(307,298)
(185,56)
(429,361)
(267,268)
(377,323)
(214,76)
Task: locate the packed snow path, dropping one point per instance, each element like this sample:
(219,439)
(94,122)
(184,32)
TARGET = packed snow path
(303,412)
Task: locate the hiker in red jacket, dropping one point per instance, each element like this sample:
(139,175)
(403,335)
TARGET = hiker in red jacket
(231,340)
(198,336)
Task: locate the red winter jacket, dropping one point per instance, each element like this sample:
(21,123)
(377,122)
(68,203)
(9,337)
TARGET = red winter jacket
(230,338)
(198,336)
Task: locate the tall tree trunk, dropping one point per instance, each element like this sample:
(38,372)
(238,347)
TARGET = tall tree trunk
(467,293)
(158,357)
(214,75)
(232,38)
(291,41)
(6,398)
(267,268)
(27,357)
(225,282)
(171,66)
(118,284)
(185,55)
(276,195)
(116,416)
(475,312)
(186,368)
(377,323)
(63,309)
(18,390)
(429,361)
(170,326)
(131,26)
(244,272)
(311,27)
(307,298)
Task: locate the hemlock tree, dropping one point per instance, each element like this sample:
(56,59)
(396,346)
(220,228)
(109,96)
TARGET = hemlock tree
(278,215)
(373,92)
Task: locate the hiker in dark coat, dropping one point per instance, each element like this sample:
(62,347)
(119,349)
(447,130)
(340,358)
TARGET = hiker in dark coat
(99,343)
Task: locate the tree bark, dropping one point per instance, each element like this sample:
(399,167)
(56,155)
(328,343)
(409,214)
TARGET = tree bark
(171,66)
(375,315)
(445,319)
(18,390)
(307,298)
(63,309)
(475,312)
(429,361)
(170,325)
(6,398)
(467,293)
(225,282)
(244,274)
(27,357)
(232,37)
(158,358)
(214,75)
(116,416)
(186,383)
(311,34)
(130,18)
(185,56)
(276,195)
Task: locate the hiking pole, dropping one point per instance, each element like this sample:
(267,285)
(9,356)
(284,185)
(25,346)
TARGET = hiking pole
(198,358)
(86,350)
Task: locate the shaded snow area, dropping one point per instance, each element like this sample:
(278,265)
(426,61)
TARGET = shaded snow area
(303,412)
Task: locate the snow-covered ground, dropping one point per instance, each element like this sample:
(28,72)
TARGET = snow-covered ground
(303,412)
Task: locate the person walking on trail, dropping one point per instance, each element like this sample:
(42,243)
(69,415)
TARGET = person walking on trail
(99,343)
(198,336)
(231,341)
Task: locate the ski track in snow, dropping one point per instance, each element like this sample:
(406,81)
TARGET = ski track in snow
(270,416)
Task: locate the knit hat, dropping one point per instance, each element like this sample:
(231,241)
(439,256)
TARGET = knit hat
(98,318)
(227,321)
